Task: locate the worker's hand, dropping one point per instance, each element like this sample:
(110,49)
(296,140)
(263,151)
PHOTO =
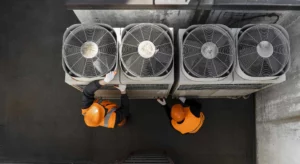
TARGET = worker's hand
(122,88)
(162,101)
(110,76)
(182,99)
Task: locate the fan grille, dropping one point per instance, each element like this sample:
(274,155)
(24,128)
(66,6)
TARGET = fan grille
(263,51)
(208,51)
(133,56)
(90,51)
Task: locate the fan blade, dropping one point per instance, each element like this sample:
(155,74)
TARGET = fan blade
(89,32)
(137,34)
(208,33)
(111,50)
(156,65)
(147,69)
(90,70)
(146,32)
(100,66)
(98,34)
(136,65)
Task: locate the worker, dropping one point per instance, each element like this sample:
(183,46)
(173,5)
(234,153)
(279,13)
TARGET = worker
(104,113)
(185,117)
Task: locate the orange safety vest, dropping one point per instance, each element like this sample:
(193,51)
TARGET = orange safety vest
(107,113)
(191,123)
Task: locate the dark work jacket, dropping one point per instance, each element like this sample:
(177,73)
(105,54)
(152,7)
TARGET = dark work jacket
(88,99)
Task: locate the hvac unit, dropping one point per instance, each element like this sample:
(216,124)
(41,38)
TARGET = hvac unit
(146,60)
(89,52)
(263,57)
(206,61)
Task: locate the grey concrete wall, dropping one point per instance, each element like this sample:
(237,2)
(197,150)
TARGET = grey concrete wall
(239,18)
(121,18)
(278,109)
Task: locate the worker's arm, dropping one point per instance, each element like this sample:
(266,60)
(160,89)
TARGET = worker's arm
(195,106)
(89,91)
(164,104)
(123,111)
(168,111)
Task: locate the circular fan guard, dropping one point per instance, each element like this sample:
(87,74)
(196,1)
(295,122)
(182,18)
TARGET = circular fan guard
(208,52)
(263,50)
(90,51)
(146,50)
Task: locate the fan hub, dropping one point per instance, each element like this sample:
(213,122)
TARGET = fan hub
(89,49)
(265,49)
(209,50)
(146,49)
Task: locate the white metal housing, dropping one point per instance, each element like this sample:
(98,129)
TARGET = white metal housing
(248,84)
(189,86)
(235,84)
(106,92)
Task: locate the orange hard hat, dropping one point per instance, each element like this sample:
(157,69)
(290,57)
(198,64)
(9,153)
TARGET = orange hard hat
(177,113)
(93,115)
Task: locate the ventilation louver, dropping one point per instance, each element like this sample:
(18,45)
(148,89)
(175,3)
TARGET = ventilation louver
(146,51)
(208,52)
(90,50)
(263,51)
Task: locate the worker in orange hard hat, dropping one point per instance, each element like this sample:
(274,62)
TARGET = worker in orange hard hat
(104,113)
(185,117)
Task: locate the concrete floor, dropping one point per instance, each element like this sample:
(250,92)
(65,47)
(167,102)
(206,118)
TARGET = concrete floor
(40,118)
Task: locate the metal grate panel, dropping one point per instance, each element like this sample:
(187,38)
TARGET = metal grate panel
(105,87)
(147,159)
(222,86)
(147,86)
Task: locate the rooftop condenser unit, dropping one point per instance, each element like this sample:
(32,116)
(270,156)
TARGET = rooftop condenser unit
(146,60)
(89,52)
(263,57)
(206,61)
